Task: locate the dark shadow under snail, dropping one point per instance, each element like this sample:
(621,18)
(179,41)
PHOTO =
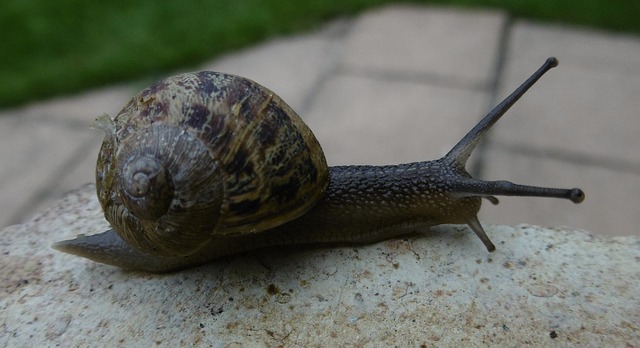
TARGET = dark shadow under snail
(203,165)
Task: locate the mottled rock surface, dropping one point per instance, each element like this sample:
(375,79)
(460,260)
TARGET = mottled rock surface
(541,287)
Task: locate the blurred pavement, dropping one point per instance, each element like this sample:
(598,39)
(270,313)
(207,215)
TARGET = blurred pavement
(399,84)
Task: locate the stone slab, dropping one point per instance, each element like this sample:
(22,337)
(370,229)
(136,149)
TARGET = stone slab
(366,120)
(291,67)
(76,110)
(48,149)
(577,127)
(447,45)
(609,207)
(39,163)
(541,287)
(588,106)
(590,49)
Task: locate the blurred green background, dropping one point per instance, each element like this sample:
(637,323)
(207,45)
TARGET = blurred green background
(49,48)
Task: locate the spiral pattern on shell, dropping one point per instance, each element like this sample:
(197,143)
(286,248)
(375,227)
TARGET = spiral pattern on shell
(205,154)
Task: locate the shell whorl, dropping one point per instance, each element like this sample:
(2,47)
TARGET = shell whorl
(147,185)
(205,154)
(165,192)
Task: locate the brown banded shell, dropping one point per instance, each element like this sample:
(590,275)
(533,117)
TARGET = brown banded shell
(205,154)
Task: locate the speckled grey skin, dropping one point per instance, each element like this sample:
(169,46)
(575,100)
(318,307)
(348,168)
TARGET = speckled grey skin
(360,204)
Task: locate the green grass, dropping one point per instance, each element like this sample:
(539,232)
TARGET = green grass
(55,47)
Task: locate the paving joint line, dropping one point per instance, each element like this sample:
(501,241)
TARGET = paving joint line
(422,78)
(573,157)
(328,70)
(479,165)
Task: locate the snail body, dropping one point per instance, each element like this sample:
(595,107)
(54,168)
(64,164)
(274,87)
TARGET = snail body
(203,165)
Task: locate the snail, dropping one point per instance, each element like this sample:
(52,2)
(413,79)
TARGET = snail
(204,165)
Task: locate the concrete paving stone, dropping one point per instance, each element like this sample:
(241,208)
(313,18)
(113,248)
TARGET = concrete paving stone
(441,43)
(291,66)
(587,106)
(84,170)
(577,127)
(361,120)
(587,48)
(35,159)
(76,110)
(587,113)
(41,143)
(46,148)
(81,170)
(609,208)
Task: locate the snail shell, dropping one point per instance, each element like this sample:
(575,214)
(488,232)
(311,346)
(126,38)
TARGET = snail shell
(205,154)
